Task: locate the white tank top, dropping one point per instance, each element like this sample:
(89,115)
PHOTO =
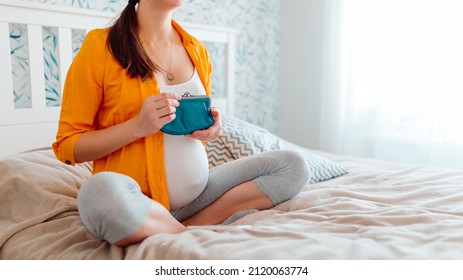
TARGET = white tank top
(185,159)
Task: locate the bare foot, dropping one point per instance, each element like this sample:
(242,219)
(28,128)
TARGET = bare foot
(158,220)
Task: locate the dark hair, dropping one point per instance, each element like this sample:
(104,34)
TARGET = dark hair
(126,46)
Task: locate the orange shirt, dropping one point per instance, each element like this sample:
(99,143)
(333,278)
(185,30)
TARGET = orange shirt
(98,93)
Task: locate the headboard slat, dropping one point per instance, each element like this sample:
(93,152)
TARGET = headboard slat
(52,15)
(65,53)
(36,66)
(6,98)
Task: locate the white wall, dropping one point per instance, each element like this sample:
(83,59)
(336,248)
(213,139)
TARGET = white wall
(300,75)
(308,73)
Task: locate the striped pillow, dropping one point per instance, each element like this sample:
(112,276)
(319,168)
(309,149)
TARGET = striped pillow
(240,139)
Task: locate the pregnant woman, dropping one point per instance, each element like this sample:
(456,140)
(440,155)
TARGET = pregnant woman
(123,86)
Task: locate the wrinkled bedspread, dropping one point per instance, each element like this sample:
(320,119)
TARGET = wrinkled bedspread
(379,210)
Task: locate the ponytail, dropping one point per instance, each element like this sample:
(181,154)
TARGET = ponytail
(126,47)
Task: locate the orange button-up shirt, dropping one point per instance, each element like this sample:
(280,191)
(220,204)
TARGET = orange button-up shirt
(98,93)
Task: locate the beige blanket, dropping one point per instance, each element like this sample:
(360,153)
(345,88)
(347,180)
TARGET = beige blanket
(379,210)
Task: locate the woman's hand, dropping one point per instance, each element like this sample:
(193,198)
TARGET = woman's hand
(156,111)
(212,132)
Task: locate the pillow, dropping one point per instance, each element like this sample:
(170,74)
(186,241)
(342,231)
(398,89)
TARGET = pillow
(240,139)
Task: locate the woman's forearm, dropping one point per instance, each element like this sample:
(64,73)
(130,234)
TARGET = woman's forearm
(156,111)
(93,145)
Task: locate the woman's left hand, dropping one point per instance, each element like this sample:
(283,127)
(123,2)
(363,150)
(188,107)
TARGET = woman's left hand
(212,132)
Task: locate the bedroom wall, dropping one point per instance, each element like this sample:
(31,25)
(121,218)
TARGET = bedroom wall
(301,72)
(257,22)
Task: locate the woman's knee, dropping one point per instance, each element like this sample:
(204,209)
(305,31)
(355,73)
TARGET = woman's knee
(112,205)
(292,164)
(298,166)
(291,175)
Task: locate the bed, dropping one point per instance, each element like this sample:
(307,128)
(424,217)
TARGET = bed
(352,208)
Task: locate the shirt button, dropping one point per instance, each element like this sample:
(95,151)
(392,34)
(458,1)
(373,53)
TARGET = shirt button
(68,162)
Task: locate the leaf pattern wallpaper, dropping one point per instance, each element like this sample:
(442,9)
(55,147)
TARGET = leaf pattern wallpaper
(257,49)
(20,66)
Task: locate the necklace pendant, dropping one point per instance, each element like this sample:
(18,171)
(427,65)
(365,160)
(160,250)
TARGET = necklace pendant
(170,76)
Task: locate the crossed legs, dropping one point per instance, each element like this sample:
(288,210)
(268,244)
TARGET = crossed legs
(114,209)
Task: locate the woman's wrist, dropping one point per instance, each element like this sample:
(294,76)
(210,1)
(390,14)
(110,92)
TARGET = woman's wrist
(138,128)
(135,129)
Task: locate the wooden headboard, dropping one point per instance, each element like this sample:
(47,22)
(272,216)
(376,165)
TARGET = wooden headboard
(34,127)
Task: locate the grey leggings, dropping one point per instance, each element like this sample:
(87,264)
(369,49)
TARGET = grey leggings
(112,206)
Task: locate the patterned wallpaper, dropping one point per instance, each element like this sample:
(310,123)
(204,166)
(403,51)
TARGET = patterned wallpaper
(257,22)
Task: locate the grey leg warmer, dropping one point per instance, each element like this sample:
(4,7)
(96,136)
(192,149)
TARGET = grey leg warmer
(112,206)
(279,174)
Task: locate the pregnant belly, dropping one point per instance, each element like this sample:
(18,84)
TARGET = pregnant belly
(186,169)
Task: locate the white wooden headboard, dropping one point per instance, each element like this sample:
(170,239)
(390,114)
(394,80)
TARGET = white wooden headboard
(35,127)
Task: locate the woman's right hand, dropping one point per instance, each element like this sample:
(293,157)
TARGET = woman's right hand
(156,111)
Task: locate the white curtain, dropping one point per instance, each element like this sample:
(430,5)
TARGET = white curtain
(394,80)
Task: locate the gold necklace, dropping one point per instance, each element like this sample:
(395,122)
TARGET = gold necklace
(169,74)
